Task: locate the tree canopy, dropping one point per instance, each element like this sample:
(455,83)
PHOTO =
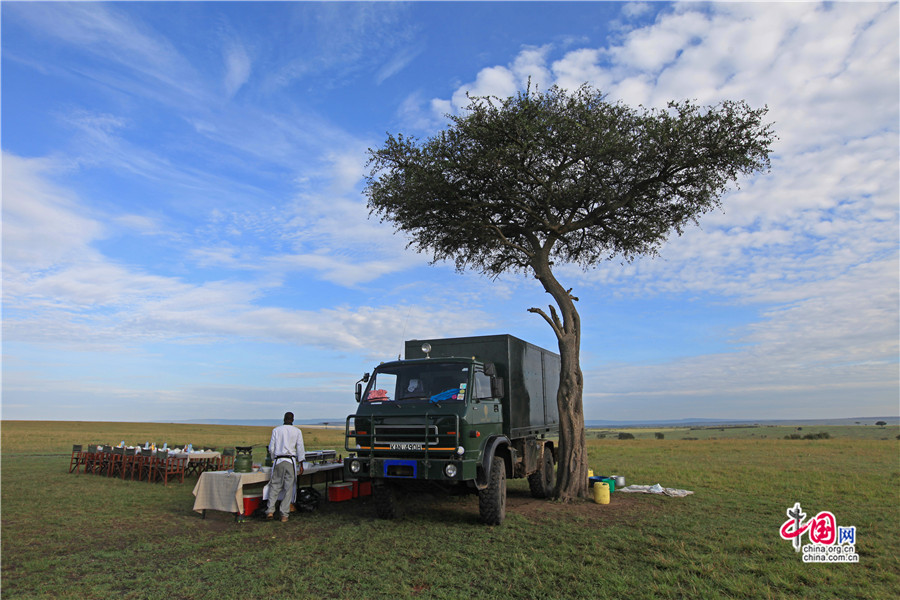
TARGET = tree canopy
(572,176)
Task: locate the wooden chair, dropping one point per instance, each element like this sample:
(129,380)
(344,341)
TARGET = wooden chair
(129,462)
(226,461)
(173,467)
(142,461)
(78,458)
(103,460)
(91,459)
(116,462)
(157,466)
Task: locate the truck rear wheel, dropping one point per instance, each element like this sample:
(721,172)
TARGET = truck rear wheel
(492,499)
(385,497)
(543,480)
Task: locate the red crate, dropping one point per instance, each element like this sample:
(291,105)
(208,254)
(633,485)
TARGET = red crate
(338,492)
(361,488)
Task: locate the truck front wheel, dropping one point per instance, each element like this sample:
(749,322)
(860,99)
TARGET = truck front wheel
(542,481)
(385,497)
(492,499)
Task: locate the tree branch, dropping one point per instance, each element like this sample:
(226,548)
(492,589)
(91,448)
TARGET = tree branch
(553,322)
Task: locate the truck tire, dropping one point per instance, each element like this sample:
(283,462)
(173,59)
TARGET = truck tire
(492,499)
(543,480)
(385,497)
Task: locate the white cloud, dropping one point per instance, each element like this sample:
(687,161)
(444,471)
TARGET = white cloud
(635,9)
(59,289)
(237,68)
(42,225)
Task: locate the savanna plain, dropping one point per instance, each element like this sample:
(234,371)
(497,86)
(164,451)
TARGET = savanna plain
(85,537)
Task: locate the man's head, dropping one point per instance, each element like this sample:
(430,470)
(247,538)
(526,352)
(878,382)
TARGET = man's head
(288,418)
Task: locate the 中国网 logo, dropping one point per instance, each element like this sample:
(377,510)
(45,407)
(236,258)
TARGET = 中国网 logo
(827,541)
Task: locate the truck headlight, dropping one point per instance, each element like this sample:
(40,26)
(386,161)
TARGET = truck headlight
(460,450)
(450,470)
(355,466)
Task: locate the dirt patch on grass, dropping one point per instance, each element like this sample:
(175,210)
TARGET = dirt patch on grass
(621,508)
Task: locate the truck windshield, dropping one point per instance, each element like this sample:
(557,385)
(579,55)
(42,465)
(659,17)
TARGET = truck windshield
(430,382)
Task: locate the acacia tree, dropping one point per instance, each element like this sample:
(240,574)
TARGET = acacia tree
(544,178)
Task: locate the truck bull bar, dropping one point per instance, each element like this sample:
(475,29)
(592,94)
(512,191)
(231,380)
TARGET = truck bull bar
(400,434)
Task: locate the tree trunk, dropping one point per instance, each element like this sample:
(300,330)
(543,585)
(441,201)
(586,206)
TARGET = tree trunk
(571,476)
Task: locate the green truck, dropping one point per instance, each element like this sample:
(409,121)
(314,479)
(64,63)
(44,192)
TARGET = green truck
(460,415)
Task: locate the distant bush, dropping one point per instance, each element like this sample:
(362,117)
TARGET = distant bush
(659,435)
(625,436)
(824,435)
(690,438)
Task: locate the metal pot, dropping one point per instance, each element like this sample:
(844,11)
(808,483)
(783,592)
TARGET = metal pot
(620,481)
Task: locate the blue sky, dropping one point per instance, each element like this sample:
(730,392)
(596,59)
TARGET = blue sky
(184,234)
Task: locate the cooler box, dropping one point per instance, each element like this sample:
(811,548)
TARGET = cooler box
(252,501)
(338,492)
(361,488)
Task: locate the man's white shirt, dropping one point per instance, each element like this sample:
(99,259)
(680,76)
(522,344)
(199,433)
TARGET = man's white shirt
(286,440)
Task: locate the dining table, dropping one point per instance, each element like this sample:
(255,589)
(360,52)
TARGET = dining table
(199,461)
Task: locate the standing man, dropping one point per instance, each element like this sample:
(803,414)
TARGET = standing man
(286,447)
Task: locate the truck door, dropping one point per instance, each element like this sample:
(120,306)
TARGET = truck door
(482,407)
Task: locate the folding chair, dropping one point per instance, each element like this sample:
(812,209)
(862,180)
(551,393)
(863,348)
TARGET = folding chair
(91,459)
(116,462)
(129,462)
(77,459)
(157,466)
(142,461)
(104,458)
(172,467)
(226,461)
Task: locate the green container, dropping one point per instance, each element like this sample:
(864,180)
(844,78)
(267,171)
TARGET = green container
(611,482)
(243,460)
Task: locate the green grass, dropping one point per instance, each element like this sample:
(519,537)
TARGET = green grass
(77,536)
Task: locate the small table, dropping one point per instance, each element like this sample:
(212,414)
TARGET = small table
(224,490)
(320,473)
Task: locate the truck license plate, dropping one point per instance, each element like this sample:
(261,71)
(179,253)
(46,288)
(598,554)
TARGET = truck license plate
(406,446)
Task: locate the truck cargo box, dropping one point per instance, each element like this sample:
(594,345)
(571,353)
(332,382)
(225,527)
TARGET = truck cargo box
(530,375)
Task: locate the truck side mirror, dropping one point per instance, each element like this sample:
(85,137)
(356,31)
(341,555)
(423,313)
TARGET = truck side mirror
(359,384)
(497,387)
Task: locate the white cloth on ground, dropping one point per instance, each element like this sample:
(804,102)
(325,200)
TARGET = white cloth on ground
(655,489)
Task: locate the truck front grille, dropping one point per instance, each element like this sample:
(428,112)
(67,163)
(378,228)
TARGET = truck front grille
(385,434)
